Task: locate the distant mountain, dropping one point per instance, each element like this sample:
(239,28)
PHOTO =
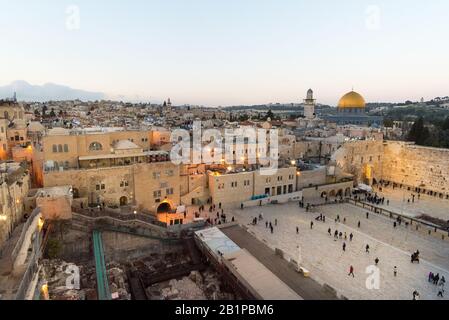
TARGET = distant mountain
(46,92)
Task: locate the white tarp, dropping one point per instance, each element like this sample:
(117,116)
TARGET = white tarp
(364,187)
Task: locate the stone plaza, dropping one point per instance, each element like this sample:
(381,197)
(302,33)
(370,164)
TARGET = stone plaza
(324,257)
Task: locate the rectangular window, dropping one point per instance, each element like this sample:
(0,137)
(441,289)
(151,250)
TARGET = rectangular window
(66,148)
(156,175)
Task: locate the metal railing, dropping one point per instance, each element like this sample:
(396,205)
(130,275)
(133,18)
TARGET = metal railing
(105,213)
(392,215)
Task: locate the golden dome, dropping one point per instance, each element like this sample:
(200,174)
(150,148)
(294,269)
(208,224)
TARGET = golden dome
(352,100)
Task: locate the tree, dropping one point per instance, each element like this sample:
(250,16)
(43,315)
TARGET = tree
(269,115)
(445,125)
(418,133)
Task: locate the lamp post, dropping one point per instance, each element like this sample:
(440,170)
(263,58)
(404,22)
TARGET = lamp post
(299,257)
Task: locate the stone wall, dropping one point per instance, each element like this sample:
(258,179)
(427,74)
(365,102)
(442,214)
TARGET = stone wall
(416,166)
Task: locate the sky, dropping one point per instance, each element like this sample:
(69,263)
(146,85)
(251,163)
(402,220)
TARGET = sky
(232,52)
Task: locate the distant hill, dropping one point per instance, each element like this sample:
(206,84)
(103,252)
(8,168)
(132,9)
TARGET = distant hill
(46,92)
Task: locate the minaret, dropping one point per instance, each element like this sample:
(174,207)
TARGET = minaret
(309,105)
(14,97)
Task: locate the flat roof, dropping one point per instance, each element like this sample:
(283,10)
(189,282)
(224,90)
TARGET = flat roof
(55,191)
(264,282)
(217,241)
(246,267)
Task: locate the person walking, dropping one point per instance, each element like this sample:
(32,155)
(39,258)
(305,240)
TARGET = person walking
(297,230)
(329,231)
(311,224)
(351,271)
(440,292)
(436,279)
(376,261)
(344,246)
(351,236)
(367,248)
(358,225)
(395,271)
(415,295)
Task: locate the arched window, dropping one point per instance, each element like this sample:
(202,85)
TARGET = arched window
(55,148)
(66,148)
(95,146)
(59,147)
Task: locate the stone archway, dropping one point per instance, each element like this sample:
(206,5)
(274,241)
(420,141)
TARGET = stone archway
(123,201)
(340,193)
(164,207)
(347,192)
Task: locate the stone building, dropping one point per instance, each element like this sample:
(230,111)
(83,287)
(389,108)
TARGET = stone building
(113,168)
(234,187)
(14,186)
(363,159)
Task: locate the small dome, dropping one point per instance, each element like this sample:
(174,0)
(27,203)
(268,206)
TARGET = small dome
(352,100)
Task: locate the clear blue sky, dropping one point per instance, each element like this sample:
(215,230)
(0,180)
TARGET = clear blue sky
(231,52)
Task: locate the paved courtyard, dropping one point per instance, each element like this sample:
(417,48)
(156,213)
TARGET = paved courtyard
(323,256)
(429,205)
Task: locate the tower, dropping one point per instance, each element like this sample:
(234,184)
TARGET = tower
(309,105)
